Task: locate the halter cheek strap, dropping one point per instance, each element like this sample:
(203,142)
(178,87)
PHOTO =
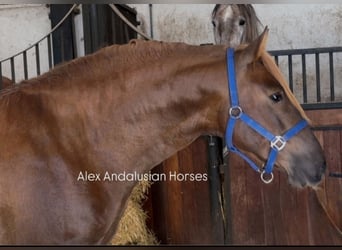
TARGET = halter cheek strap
(277,142)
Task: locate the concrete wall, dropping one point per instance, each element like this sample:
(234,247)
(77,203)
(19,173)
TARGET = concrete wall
(22,26)
(292,26)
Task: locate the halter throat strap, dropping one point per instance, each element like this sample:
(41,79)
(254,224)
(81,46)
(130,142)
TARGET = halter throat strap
(277,142)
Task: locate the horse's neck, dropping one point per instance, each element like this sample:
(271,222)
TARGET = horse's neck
(158,108)
(165,111)
(138,116)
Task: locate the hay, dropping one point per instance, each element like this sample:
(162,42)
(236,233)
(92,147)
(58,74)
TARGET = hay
(132,229)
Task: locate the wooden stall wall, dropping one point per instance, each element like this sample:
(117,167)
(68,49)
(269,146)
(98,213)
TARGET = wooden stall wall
(255,213)
(180,212)
(279,214)
(328,129)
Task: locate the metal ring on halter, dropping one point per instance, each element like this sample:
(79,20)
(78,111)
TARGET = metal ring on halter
(235,112)
(265,180)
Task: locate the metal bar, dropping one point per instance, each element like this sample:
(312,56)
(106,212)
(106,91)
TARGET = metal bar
(151,19)
(331,105)
(93,27)
(12,69)
(316,52)
(62,45)
(129,24)
(318,78)
(226,197)
(216,203)
(332,81)
(276,58)
(337,175)
(0,76)
(25,65)
(325,128)
(305,95)
(290,72)
(51,31)
(49,50)
(305,51)
(37,59)
(73,28)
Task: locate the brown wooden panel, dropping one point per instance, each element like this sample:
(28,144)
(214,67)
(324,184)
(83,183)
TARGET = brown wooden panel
(322,231)
(330,193)
(238,199)
(256,213)
(279,214)
(325,117)
(274,226)
(290,216)
(333,186)
(294,213)
(260,214)
(181,209)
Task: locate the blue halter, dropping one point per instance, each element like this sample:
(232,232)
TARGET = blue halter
(277,142)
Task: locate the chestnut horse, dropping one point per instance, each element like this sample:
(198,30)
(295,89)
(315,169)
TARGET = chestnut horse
(125,109)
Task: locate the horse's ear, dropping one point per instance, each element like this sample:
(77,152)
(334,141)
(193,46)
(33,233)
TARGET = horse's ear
(254,50)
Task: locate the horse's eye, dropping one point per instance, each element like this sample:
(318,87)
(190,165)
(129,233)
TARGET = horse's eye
(214,24)
(242,22)
(276,97)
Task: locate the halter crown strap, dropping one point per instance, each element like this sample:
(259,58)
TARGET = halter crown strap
(277,142)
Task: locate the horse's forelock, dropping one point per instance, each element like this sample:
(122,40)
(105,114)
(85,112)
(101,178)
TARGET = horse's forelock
(216,8)
(252,21)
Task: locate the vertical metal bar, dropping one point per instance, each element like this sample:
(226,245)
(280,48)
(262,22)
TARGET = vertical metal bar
(290,72)
(25,65)
(216,204)
(62,46)
(49,50)
(12,69)
(305,96)
(37,59)
(332,80)
(227,201)
(0,76)
(318,78)
(151,19)
(276,58)
(73,28)
(94,27)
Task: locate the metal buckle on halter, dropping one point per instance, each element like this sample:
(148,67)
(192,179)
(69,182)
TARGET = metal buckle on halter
(235,112)
(278,143)
(266,181)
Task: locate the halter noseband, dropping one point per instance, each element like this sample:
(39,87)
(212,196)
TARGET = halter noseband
(277,142)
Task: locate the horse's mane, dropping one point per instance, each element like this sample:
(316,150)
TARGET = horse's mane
(252,29)
(138,50)
(114,57)
(120,57)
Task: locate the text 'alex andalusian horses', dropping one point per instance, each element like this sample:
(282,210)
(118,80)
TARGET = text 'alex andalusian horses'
(125,109)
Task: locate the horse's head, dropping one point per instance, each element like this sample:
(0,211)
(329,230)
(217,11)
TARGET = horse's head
(234,24)
(265,97)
